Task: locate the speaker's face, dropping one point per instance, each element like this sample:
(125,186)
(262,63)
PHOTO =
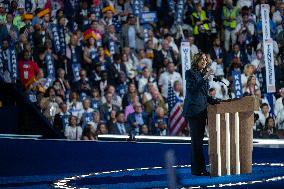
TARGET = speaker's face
(203,61)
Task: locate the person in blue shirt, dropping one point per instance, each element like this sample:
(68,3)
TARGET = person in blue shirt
(137,119)
(273,29)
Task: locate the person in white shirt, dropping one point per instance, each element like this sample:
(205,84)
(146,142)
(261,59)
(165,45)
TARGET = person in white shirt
(251,85)
(275,47)
(169,76)
(178,90)
(248,71)
(144,79)
(215,70)
(258,62)
(72,131)
(74,105)
(116,99)
(263,114)
(278,103)
(172,43)
(221,87)
(258,9)
(154,40)
(244,29)
(130,55)
(280,116)
(86,108)
(130,68)
(193,48)
(149,87)
(143,61)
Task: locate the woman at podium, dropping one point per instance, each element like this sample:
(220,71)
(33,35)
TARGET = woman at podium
(195,109)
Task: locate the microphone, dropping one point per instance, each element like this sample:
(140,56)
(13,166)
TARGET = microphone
(217,79)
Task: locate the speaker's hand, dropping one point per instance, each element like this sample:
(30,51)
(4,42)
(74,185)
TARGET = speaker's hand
(212,100)
(208,74)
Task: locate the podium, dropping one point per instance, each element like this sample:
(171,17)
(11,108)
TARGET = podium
(230,142)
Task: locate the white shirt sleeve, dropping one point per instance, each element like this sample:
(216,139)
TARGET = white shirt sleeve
(278,106)
(79,133)
(162,79)
(244,80)
(141,85)
(261,118)
(193,49)
(174,46)
(67,131)
(275,48)
(238,27)
(257,11)
(179,78)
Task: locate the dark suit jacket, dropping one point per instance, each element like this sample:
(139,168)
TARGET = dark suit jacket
(78,85)
(214,56)
(131,119)
(230,56)
(109,68)
(116,131)
(196,93)
(58,122)
(159,58)
(122,68)
(157,133)
(138,36)
(79,54)
(105,111)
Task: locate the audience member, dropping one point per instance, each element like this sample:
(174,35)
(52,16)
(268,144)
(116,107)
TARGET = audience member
(89,133)
(102,129)
(120,127)
(137,119)
(270,131)
(168,77)
(73,131)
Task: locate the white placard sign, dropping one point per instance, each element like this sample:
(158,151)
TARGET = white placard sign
(185,61)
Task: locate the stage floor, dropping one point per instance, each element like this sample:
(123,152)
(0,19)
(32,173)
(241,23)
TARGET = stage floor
(264,175)
(268,166)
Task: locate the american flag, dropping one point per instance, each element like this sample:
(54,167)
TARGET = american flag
(176,120)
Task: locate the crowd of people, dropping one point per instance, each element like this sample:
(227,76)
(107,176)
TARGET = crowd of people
(95,67)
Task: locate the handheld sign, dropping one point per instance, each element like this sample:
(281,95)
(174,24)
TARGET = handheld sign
(147,17)
(185,61)
(238,89)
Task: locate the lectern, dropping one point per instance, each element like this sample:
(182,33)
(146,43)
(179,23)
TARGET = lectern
(230,126)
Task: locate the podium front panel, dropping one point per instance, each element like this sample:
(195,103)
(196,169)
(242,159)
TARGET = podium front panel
(246,109)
